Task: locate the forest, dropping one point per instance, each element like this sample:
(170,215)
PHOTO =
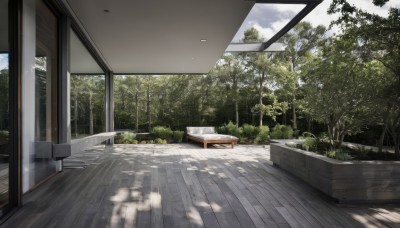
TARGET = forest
(346,86)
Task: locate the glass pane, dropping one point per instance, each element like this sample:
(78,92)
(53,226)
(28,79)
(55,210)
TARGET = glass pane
(4,101)
(87,91)
(87,105)
(268,19)
(46,71)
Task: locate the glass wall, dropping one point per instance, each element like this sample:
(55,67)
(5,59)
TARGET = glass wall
(87,93)
(4,105)
(46,71)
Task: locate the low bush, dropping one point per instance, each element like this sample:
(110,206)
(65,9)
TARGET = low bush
(160,141)
(4,136)
(282,132)
(143,142)
(250,132)
(339,155)
(126,138)
(230,129)
(310,143)
(262,136)
(177,136)
(162,132)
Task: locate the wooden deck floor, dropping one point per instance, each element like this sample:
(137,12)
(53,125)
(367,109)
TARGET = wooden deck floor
(187,186)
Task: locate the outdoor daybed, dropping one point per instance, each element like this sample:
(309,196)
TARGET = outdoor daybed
(207,135)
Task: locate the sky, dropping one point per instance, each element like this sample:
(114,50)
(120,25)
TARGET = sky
(3,61)
(268,19)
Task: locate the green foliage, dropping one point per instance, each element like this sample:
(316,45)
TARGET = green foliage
(282,132)
(230,129)
(263,135)
(143,142)
(160,141)
(126,138)
(162,132)
(178,136)
(4,136)
(250,131)
(339,155)
(310,144)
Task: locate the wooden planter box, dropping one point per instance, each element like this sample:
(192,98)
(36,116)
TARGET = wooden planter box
(345,181)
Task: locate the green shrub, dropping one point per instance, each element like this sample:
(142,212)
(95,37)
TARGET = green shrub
(126,138)
(230,129)
(339,155)
(282,132)
(263,135)
(250,132)
(162,132)
(160,141)
(143,142)
(4,136)
(178,136)
(150,142)
(129,138)
(310,144)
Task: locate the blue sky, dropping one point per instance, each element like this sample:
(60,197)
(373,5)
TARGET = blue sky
(270,18)
(3,61)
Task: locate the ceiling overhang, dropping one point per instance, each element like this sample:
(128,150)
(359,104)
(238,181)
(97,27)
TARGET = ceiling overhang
(175,36)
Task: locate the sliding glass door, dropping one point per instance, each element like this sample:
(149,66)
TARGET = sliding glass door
(4,105)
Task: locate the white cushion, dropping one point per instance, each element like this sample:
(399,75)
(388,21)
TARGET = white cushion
(213,137)
(200,130)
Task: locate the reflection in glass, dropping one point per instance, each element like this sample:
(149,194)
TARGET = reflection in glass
(4,105)
(87,91)
(46,71)
(87,105)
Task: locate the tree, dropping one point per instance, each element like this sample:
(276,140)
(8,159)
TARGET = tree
(339,90)
(232,72)
(378,39)
(300,43)
(259,64)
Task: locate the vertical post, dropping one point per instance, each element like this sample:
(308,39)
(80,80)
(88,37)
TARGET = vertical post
(64,112)
(15,69)
(109,104)
(63,82)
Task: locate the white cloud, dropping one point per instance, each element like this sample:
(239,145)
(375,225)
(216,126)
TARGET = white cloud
(270,18)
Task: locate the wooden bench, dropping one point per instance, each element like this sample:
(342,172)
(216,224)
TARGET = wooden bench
(207,135)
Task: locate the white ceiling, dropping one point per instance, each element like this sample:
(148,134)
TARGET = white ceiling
(161,36)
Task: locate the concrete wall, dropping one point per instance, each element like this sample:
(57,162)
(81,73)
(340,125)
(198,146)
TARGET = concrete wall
(342,180)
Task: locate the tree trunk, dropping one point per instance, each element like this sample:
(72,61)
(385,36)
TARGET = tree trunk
(294,113)
(148,107)
(382,138)
(137,105)
(237,112)
(294,101)
(396,146)
(260,98)
(90,114)
(76,114)
(137,112)
(384,129)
